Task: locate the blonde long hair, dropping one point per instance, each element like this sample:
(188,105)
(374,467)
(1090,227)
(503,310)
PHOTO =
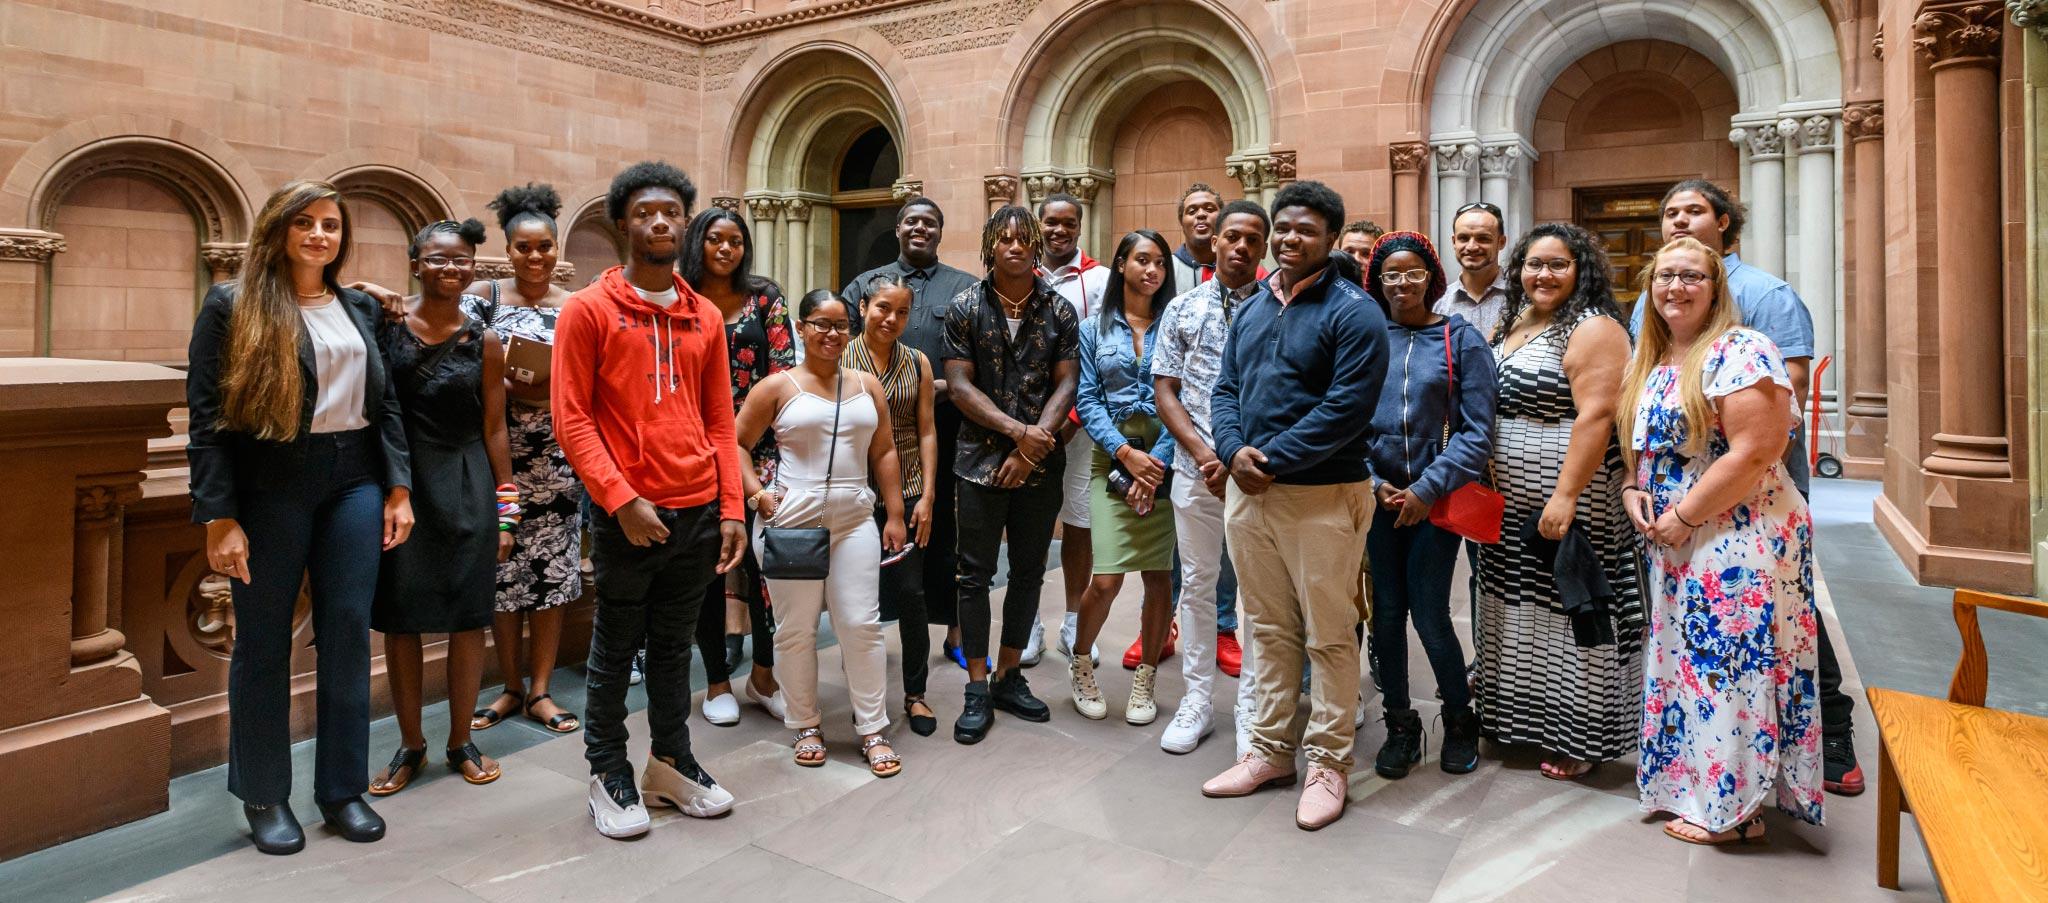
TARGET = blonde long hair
(260,379)
(1656,340)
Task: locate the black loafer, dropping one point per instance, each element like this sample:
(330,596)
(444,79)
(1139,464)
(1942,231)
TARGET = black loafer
(274,829)
(921,725)
(975,716)
(354,820)
(1012,694)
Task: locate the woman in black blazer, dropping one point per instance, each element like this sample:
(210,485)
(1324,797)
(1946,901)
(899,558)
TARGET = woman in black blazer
(299,470)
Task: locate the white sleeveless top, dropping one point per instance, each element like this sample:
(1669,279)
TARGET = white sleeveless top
(803,427)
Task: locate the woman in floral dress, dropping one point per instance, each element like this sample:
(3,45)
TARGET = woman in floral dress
(1731,714)
(717,261)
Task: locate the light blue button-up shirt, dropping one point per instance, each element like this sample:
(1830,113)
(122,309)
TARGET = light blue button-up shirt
(1116,384)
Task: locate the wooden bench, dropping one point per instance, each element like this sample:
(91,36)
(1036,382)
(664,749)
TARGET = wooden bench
(1976,779)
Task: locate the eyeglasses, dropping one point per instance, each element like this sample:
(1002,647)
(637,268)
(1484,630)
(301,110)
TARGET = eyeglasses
(442,263)
(1558,266)
(1396,277)
(1687,277)
(841,326)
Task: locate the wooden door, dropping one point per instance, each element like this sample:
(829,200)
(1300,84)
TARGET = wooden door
(1626,218)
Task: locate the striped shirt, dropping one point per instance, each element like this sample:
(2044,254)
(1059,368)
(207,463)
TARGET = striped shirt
(901,383)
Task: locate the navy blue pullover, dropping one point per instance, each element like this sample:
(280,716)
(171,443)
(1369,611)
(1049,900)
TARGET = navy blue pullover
(1408,447)
(1300,382)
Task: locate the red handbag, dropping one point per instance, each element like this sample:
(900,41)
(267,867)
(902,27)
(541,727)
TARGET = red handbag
(1472,510)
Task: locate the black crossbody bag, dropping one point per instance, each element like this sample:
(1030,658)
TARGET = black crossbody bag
(804,553)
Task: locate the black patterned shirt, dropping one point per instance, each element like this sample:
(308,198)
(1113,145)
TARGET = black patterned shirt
(1016,374)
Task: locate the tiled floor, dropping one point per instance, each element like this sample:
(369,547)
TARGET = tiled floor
(1072,809)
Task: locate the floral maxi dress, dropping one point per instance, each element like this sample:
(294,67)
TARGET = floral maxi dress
(1731,712)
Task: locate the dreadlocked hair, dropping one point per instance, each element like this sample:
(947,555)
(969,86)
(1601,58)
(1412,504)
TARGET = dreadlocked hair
(1002,222)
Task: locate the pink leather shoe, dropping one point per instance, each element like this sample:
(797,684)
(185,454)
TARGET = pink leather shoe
(1322,798)
(1250,775)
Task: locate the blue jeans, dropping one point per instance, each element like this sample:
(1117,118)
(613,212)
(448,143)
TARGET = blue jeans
(1411,578)
(326,522)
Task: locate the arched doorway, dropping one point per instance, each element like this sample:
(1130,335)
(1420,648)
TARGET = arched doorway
(1174,136)
(387,207)
(126,289)
(865,235)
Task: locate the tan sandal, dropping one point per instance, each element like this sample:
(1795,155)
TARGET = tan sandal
(885,764)
(1565,768)
(807,744)
(1739,835)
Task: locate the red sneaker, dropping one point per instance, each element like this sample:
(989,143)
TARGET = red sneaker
(1229,655)
(1135,655)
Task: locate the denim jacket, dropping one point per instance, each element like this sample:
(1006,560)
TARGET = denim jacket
(1116,385)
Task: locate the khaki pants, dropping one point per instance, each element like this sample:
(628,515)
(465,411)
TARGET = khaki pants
(1297,551)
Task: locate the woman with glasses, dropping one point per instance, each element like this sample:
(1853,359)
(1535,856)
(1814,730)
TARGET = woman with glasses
(832,431)
(1567,679)
(449,370)
(1432,433)
(1731,719)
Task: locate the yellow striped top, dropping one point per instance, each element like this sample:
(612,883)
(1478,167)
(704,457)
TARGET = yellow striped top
(900,381)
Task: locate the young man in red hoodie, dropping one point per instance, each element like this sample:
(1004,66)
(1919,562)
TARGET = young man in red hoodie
(643,411)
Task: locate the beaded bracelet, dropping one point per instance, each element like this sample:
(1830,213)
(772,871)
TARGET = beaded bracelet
(508,507)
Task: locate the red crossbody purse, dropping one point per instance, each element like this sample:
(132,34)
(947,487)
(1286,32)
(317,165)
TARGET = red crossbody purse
(1472,510)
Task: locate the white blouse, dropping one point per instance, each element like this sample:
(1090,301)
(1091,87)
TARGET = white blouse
(339,362)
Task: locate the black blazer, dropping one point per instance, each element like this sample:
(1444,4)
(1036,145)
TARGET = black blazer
(225,462)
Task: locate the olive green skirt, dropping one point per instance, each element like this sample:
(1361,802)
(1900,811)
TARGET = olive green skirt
(1123,542)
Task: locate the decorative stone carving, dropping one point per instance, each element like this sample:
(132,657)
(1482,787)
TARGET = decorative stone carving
(1037,187)
(1407,157)
(2029,14)
(565,273)
(905,189)
(224,259)
(1498,161)
(1277,168)
(1764,142)
(1947,32)
(999,188)
(1455,158)
(1862,121)
(30,244)
(1084,187)
(1877,42)
(764,209)
(1812,134)
(493,268)
(1246,172)
(730,204)
(960,28)
(796,210)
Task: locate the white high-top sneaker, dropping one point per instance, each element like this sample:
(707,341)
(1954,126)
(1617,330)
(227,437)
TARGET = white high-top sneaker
(1141,709)
(1087,696)
(1190,725)
(615,805)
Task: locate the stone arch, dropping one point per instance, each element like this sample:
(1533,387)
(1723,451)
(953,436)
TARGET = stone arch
(389,205)
(591,243)
(200,169)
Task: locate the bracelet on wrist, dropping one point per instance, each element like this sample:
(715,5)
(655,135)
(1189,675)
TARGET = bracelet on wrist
(1682,520)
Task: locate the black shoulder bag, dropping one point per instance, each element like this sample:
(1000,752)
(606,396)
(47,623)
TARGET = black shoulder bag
(804,553)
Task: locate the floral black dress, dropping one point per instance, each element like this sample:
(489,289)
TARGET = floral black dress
(544,569)
(760,345)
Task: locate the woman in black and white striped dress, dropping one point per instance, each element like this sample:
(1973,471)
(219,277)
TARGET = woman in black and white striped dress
(1573,689)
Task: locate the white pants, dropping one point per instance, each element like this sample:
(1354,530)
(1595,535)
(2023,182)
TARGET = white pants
(1198,528)
(850,594)
(1077,482)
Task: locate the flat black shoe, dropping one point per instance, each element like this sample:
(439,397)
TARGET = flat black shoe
(275,829)
(975,716)
(1012,694)
(921,725)
(354,820)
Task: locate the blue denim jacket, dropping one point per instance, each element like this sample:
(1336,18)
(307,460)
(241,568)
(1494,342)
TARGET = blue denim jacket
(1116,385)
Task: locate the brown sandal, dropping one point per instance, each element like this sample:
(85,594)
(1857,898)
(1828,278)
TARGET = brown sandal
(467,754)
(1737,836)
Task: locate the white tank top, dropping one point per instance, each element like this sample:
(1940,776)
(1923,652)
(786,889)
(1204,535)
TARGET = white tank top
(803,427)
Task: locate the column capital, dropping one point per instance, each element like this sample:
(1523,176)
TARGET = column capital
(727,203)
(1000,188)
(1455,159)
(1039,185)
(224,258)
(905,189)
(1277,168)
(763,208)
(1084,186)
(1811,133)
(1498,161)
(1958,31)
(2029,14)
(796,210)
(1863,121)
(30,244)
(1877,42)
(1763,140)
(1245,170)
(1407,156)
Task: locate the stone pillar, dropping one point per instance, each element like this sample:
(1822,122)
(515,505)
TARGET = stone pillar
(1039,186)
(1814,135)
(86,749)
(1245,169)
(1406,162)
(23,255)
(1763,190)
(796,215)
(1961,42)
(1094,229)
(905,188)
(1453,184)
(732,205)
(223,259)
(1275,170)
(764,208)
(1496,178)
(1863,125)
(1000,190)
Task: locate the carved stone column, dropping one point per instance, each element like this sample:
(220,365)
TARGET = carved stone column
(2029,14)
(1039,186)
(1814,135)
(1406,161)
(1496,176)
(1454,165)
(1763,190)
(1000,190)
(796,217)
(1863,125)
(1275,170)
(729,203)
(1245,169)
(23,253)
(223,259)
(1088,188)
(763,209)
(906,188)
(1961,43)
(95,536)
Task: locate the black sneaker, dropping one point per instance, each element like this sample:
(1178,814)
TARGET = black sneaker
(1404,744)
(1012,694)
(1840,774)
(1460,749)
(975,716)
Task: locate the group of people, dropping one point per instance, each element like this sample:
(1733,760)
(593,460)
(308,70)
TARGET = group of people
(1301,452)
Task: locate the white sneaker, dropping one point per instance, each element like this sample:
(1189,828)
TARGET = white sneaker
(1034,648)
(1190,725)
(688,788)
(1358,717)
(1066,647)
(1087,696)
(638,670)
(616,809)
(1141,709)
(772,703)
(1243,718)
(722,710)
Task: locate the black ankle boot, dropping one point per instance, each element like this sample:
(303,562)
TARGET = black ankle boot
(1404,744)
(1461,741)
(1011,693)
(275,829)
(975,716)
(353,819)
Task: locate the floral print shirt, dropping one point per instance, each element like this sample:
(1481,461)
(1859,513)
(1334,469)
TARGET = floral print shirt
(760,344)
(1016,374)
(1191,334)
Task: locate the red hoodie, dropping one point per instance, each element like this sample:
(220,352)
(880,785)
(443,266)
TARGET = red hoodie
(642,398)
